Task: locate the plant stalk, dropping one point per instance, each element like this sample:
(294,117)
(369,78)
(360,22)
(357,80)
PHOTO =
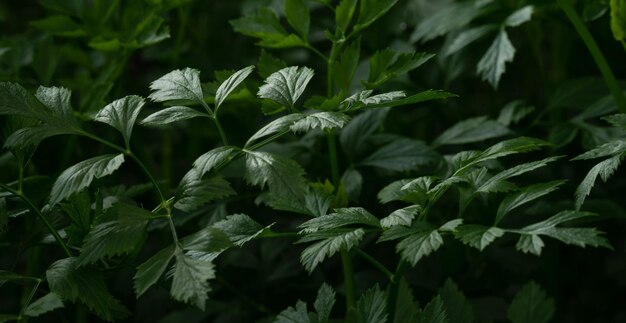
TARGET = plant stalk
(596,53)
(375,263)
(393,289)
(348,277)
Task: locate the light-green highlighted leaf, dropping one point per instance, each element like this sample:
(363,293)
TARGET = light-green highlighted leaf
(196,191)
(418,245)
(341,217)
(240,228)
(149,272)
(286,86)
(327,244)
(281,174)
(492,65)
(230,84)
(531,305)
(171,115)
(519,17)
(526,195)
(191,280)
(605,169)
(618,19)
(47,303)
(403,217)
(84,284)
(324,302)
(320,120)
(178,85)
(299,314)
(80,176)
(121,114)
(477,236)
(213,158)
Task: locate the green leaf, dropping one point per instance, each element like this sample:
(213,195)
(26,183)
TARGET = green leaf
(581,237)
(328,243)
(458,309)
(86,285)
(513,112)
(170,115)
(467,37)
(370,308)
(407,309)
(341,217)
(344,13)
(617,120)
(526,195)
(418,245)
(403,217)
(213,159)
(178,85)
(47,303)
(353,136)
(492,184)
(294,315)
(371,10)
(531,305)
(519,17)
(503,148)
(395,192)
(190,283)
(471,130)
(608,149)
(269,64)
(281,124)
(121,114)
(195,191)
(605,169)
(240,228)
(434,312)
(263,24)
(208,240)
(298,17)
(385,65)
(320,120)
(286,85)
(477,236)
(492,65)
(345,68)
(392,100)
(118,237)
(401,154)
(149,272)
(324,302)
(618,19)
(282,175)
(79,176)
(230,84)
(443,21)
(60,25)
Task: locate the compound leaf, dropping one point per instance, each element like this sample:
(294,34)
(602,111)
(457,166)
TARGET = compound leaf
(171,115)
(190,283)
(196,191)
(492,65)
(328,243)
(121,114)
(240,228)
(286,86)
(178,85)
(230,84)
(79,176)
(282,175)
(477,236)
(605,169)
(341,217)
(418,245)
(320,120)
(526,195)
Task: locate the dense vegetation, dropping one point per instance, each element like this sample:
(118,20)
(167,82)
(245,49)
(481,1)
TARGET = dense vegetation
(312,161)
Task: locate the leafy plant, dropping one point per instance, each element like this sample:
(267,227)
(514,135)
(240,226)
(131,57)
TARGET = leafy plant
(241,198)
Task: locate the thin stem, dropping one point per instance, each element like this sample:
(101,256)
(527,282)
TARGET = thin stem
(172,226)
(332,152)
(267,140)
(148,174)
(20,177)
(375,262)
(596,53)
(32,206)
(348,278)
(273,234)
(317,52)
(393,289)
(30,298)
(220,130)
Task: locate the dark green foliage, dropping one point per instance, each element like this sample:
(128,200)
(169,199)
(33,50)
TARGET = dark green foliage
(360,171)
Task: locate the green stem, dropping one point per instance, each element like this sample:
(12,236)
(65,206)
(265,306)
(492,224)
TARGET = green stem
(267,140)
(33,208)
(348,278)
(220,130)
(317,52)
(332,156)
(29,299)
(393,289)
(20,178)
(375,262)
(598,57)
(272,234)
